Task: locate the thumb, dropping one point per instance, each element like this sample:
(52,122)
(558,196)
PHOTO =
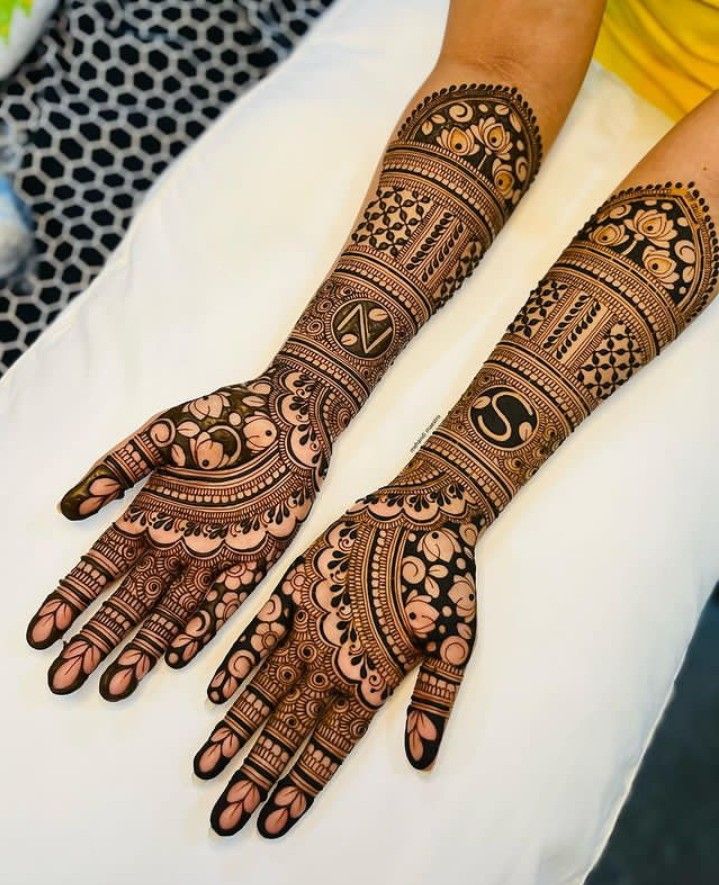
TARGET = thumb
(445,620)
(434,694)
(129,462)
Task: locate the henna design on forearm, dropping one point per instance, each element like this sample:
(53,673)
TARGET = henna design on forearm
(448,183)
(635,275)
(391,583)
(233,474)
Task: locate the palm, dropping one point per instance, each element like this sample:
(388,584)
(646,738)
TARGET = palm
(233,475)
(389,585)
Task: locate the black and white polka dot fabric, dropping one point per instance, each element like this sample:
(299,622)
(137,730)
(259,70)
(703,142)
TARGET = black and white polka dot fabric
(109,96)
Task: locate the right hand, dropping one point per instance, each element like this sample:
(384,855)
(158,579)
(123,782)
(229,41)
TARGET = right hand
(388,586)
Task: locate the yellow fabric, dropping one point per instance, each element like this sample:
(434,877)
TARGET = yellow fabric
(7,8)
(667,50)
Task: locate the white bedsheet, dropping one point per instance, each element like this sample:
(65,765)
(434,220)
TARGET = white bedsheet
(591,583)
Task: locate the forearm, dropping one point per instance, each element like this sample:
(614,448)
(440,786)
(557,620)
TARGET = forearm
(467,150)
(635,275)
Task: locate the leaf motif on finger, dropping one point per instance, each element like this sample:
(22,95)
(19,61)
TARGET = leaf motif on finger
(240,801)
(221,746)
(53,618)
(100,491)
(290,803)
(77,660)
(223,686)
(126,672)
(420,728)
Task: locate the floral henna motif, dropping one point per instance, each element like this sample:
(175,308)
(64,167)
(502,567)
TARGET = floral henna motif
(391,584)
(233,473)
(239,471)
(387,587)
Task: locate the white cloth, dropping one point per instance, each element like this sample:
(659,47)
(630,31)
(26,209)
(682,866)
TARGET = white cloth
(591,583)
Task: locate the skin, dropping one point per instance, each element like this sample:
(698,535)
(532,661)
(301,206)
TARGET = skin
(233,474)
(390,585)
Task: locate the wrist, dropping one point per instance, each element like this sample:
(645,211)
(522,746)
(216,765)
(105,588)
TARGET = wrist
(308,351)
(430,492)
(347,337)
(315,405)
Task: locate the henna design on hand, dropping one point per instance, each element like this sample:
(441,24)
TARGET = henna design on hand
(391,584)
(233,474)
(388,586)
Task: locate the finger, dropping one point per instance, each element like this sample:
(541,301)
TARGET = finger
(108,559)
(434,694)
(119,469)
(279,740)
(165,621)
(264,633)
(338,732)
(228,592)
(255,703)
(127,606)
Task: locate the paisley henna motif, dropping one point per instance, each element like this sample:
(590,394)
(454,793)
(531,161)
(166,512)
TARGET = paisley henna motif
(234,473)
(391,584)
